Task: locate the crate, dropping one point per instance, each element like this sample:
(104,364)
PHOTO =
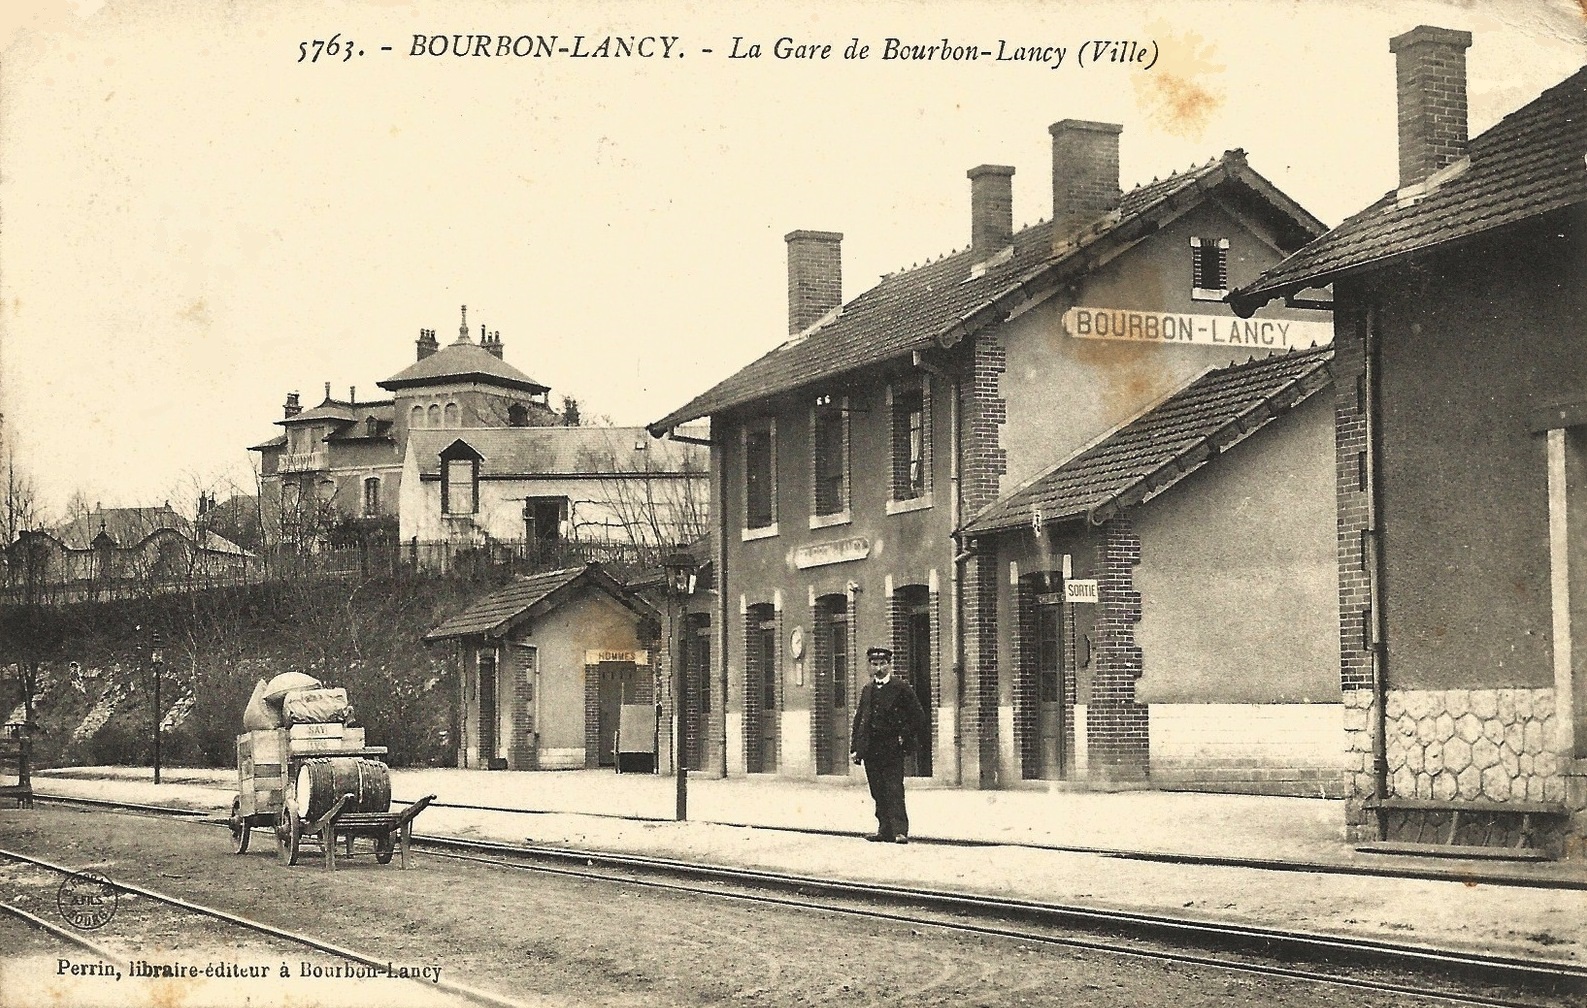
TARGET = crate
(329,729)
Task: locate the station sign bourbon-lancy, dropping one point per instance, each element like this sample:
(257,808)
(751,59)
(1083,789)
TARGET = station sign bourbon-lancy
(1131,326)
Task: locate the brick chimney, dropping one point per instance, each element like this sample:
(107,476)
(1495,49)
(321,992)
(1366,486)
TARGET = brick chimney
(1085,173)
(427,344)
(991,209)
(1430,84)
(815,276)
(491,341)
(292,407)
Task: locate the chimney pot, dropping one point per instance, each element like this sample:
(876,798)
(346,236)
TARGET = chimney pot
(815,276)
(991,208)
(426,344)
(1430,86)
(1085,173)
(292,407)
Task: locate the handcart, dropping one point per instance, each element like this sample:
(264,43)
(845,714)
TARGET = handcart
(317,789)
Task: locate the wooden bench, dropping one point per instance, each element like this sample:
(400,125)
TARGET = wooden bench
(15,757)
(1461,829)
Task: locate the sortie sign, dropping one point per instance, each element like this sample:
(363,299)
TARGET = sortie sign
(1206,330)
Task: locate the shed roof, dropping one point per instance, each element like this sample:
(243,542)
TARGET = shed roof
(1528,164)
(940,302)
(528,597)
(1173,439)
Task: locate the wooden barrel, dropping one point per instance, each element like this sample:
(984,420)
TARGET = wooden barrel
(321,781)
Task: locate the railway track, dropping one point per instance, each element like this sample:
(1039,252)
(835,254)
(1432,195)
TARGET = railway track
(1344,962)
(116,953)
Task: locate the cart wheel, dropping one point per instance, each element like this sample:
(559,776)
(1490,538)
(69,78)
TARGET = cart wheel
(240,827)
(289,829)
(384,848)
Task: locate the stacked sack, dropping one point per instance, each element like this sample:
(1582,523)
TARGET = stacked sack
(315,717)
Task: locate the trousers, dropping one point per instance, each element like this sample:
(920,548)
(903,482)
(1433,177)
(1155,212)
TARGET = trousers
(885,775)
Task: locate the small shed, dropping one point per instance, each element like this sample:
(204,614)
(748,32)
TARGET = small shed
(545,667)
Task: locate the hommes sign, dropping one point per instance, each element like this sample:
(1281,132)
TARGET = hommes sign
(1206,330)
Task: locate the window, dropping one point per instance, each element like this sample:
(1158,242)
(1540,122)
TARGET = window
(416,417)
(326,492)
(517,415)
(542,520)
(760,492)
(459,479)
(432,416)
(1209,268)
(909,444)
(829,447)
(451,414)
(372,495)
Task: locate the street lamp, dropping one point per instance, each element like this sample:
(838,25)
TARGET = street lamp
(156,659)
(681,568)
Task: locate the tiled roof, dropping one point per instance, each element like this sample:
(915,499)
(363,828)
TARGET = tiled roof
(1526,165)
(462,361)
(279,441)
(559,451)
(941,301)
(494,614)
(131,526)
(1167,443)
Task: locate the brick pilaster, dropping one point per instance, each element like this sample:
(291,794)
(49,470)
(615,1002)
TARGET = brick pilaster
(978,714)
(1116,726)
(1355,556)
(1025,659)
(592,716)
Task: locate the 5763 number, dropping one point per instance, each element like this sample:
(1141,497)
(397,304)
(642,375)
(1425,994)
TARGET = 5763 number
(333,48)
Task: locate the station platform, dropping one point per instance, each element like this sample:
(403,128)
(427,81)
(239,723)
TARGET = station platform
(1253,860)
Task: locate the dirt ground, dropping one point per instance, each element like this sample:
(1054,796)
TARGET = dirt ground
(554,942)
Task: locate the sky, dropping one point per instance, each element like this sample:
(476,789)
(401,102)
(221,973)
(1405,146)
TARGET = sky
(195,222)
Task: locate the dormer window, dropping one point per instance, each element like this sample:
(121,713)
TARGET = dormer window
(459,479)
(1209,269)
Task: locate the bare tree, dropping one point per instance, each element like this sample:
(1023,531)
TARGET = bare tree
(654,497)
(20,510)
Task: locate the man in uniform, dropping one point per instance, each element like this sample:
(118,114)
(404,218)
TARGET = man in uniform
(888,724)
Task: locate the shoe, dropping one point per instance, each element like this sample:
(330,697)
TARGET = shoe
(900,838)
(878,838)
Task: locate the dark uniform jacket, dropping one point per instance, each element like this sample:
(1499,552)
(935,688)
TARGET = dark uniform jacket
(889,721)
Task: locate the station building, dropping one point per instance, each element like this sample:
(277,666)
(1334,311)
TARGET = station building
(851,463)
(1461,399)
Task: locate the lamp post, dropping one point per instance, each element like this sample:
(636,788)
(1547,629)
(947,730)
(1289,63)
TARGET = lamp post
(680,566)
(156,659)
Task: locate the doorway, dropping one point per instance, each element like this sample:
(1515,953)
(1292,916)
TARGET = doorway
(489,712)
(763,681)
(1049,687)
(617,683)
(832,688)
(915,665)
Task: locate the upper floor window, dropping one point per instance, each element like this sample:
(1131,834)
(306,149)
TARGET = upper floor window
(909,443)
(451,414)
(829,444)
(518,415)
(1209,268)
(416,417)
(760,466)
(459,479)
(433,416)
(372,496)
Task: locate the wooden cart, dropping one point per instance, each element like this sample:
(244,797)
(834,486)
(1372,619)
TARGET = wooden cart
(267,772)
